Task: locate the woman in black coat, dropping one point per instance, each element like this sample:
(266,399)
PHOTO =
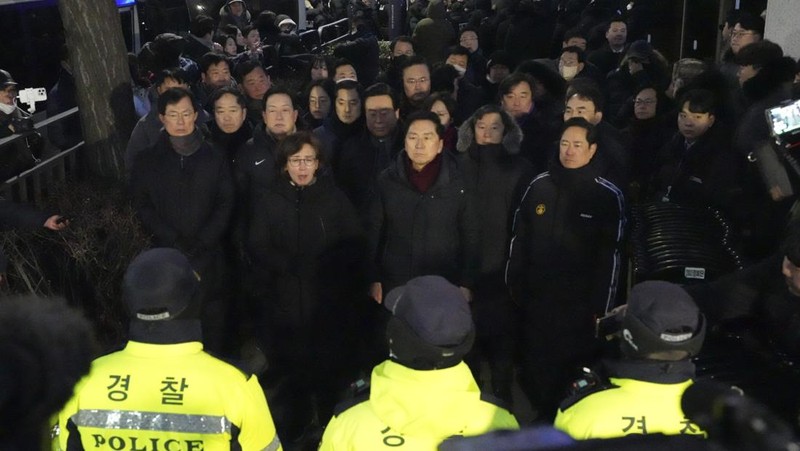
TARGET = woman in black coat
(306,242)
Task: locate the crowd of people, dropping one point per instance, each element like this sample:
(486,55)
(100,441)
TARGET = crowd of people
(492,151)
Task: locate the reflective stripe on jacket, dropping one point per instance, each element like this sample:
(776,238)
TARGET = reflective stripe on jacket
(166,397)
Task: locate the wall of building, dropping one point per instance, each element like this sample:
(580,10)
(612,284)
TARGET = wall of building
(783,27)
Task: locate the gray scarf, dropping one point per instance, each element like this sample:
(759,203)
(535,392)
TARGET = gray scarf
(187,145)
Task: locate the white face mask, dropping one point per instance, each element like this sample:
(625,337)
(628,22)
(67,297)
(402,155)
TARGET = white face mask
(569,72)
(461,70)
(6,108)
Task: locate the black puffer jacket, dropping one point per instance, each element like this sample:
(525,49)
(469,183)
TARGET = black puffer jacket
(362,159)
(414,234)
(308,244)
(185,202)
(255,165)
(707,174)
(494,175)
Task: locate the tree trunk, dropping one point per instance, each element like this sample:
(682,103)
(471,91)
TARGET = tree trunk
(102,80)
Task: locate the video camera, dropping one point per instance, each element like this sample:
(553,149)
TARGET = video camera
(784,121)
(29,97)
(777,160)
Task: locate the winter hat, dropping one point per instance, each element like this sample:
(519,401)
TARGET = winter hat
(431,325)
(640,50)
(283,19)
(159,285)
(6,79)
(661,316)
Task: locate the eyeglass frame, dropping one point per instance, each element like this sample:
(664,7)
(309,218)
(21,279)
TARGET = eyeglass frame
(297,162)
(737,34)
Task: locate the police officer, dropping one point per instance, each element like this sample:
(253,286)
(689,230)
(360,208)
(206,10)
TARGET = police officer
(424,393)
(661,330)
(162,392)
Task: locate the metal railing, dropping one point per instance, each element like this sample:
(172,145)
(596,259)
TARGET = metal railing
(32,184)
(322,29)
(309,35)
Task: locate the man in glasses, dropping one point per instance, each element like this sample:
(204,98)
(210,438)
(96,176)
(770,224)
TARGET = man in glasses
(183,193)
(748,30)
(368,153)
(255,160)
(416,75)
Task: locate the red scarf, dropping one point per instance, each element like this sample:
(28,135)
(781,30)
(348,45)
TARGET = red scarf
(424,179)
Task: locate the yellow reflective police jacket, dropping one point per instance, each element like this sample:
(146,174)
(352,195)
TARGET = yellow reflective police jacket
(415,410)
(629,406)
(172,397)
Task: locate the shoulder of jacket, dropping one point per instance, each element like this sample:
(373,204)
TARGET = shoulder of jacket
(235,365)
(348,403)
(589,384)
(495,401)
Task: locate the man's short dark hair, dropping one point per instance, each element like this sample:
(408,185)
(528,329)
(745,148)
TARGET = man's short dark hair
(348,85)
(512,80)
(751,22)
(212,59)
(731,18)
(380,89)
(574,33)
(617,18)
(586,89)
(201,26)
(339,62)
(240,99)
(443,78)
(700,101)
(167,74)
(466,29)
(591,130)
(172,96)
(759,54)
(402,38)
(425,115)
(413,60)
(576,50)
(458,50)
(275,90)
(245,67)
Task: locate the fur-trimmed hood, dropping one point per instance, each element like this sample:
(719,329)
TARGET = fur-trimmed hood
(512,138)
(769,79)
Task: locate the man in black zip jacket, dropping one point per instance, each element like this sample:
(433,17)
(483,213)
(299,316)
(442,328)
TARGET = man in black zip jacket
(183,193)
(564,263)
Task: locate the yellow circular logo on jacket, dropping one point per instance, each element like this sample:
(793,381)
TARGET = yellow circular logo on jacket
(540,209)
